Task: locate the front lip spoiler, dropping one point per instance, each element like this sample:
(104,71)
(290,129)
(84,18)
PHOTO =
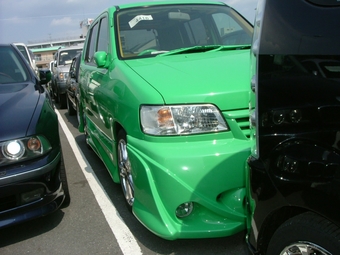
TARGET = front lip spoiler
(31,173)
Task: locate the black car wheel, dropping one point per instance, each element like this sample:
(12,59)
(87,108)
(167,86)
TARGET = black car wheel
(125,171)
(305,234)
(86,134)
(64,183)
(77,111)
(71,111)
(54,93)
(62,100)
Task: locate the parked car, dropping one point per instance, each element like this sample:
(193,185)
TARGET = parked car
(294,169)
(28,55)
(49,84)
(72,87)
(62,60)
(164,104)
(33,180)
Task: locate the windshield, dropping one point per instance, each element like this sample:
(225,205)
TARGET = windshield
(66,56)
(152,30)
(12,68)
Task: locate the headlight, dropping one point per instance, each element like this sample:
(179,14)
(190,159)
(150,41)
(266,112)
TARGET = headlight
(181,119)
(23,149)
(63,76)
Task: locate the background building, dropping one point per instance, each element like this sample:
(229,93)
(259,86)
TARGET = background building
(44,50)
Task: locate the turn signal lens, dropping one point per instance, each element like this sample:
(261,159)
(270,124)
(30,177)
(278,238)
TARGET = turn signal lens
(34,144)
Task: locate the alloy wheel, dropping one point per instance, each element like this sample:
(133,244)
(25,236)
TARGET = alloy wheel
(125,172)
(304,248)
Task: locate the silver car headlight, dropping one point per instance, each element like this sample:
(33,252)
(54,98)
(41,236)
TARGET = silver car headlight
(181,119)
(22,149)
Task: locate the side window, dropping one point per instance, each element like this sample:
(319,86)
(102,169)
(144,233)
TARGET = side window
(90,47)
(103,40)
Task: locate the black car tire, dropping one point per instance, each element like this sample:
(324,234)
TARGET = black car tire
(54,94)
(302,231)
(71,111)
(125,170)
(63,179)
(86,134)
(78,113)
(62,100)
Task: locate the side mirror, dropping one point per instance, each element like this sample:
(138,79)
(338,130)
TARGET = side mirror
(100,58)
(55,63)
(45,76)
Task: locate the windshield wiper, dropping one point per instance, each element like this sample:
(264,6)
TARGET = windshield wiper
(205,48)
(193,49)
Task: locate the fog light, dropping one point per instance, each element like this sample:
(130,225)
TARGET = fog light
(31,196)
(184,209)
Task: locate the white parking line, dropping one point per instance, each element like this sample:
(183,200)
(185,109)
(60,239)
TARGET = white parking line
(125,239)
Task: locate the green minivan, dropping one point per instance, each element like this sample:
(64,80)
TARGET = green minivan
(164,102)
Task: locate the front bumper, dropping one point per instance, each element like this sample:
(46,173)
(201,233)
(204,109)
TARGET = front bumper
(208,172)
(32,192)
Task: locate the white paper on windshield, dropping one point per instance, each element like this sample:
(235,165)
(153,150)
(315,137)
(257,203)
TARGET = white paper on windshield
(139,18)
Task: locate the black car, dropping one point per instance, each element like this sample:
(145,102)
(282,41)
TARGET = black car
(294,169)
(72,87)
(32,173)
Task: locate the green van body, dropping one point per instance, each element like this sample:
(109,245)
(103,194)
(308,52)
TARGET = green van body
(202,167)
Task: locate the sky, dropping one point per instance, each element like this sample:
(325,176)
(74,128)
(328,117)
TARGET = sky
(32,21)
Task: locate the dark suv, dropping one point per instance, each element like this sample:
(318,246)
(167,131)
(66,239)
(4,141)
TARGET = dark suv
(294,169)
(61,66)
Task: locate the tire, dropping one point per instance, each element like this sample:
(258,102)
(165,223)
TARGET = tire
(62,100)
(125,171)
(71,111)
(86,134)
(306,230)
(55,94)
(63,179)
(77,112)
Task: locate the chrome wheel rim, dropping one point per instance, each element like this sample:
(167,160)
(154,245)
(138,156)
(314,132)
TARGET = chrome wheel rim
(304,248)
(125,172)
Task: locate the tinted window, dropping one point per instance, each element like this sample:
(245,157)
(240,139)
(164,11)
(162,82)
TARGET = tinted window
(12,68)
(66,56)
(91,44)
(103,36)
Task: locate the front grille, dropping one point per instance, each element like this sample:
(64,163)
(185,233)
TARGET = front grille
(238,121)
(243,123)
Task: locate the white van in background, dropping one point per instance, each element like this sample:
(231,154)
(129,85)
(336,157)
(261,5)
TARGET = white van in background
(28,54)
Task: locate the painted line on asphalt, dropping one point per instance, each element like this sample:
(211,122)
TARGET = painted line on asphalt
(125,239)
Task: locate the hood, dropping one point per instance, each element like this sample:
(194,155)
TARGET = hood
(220,78)
(17,105)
